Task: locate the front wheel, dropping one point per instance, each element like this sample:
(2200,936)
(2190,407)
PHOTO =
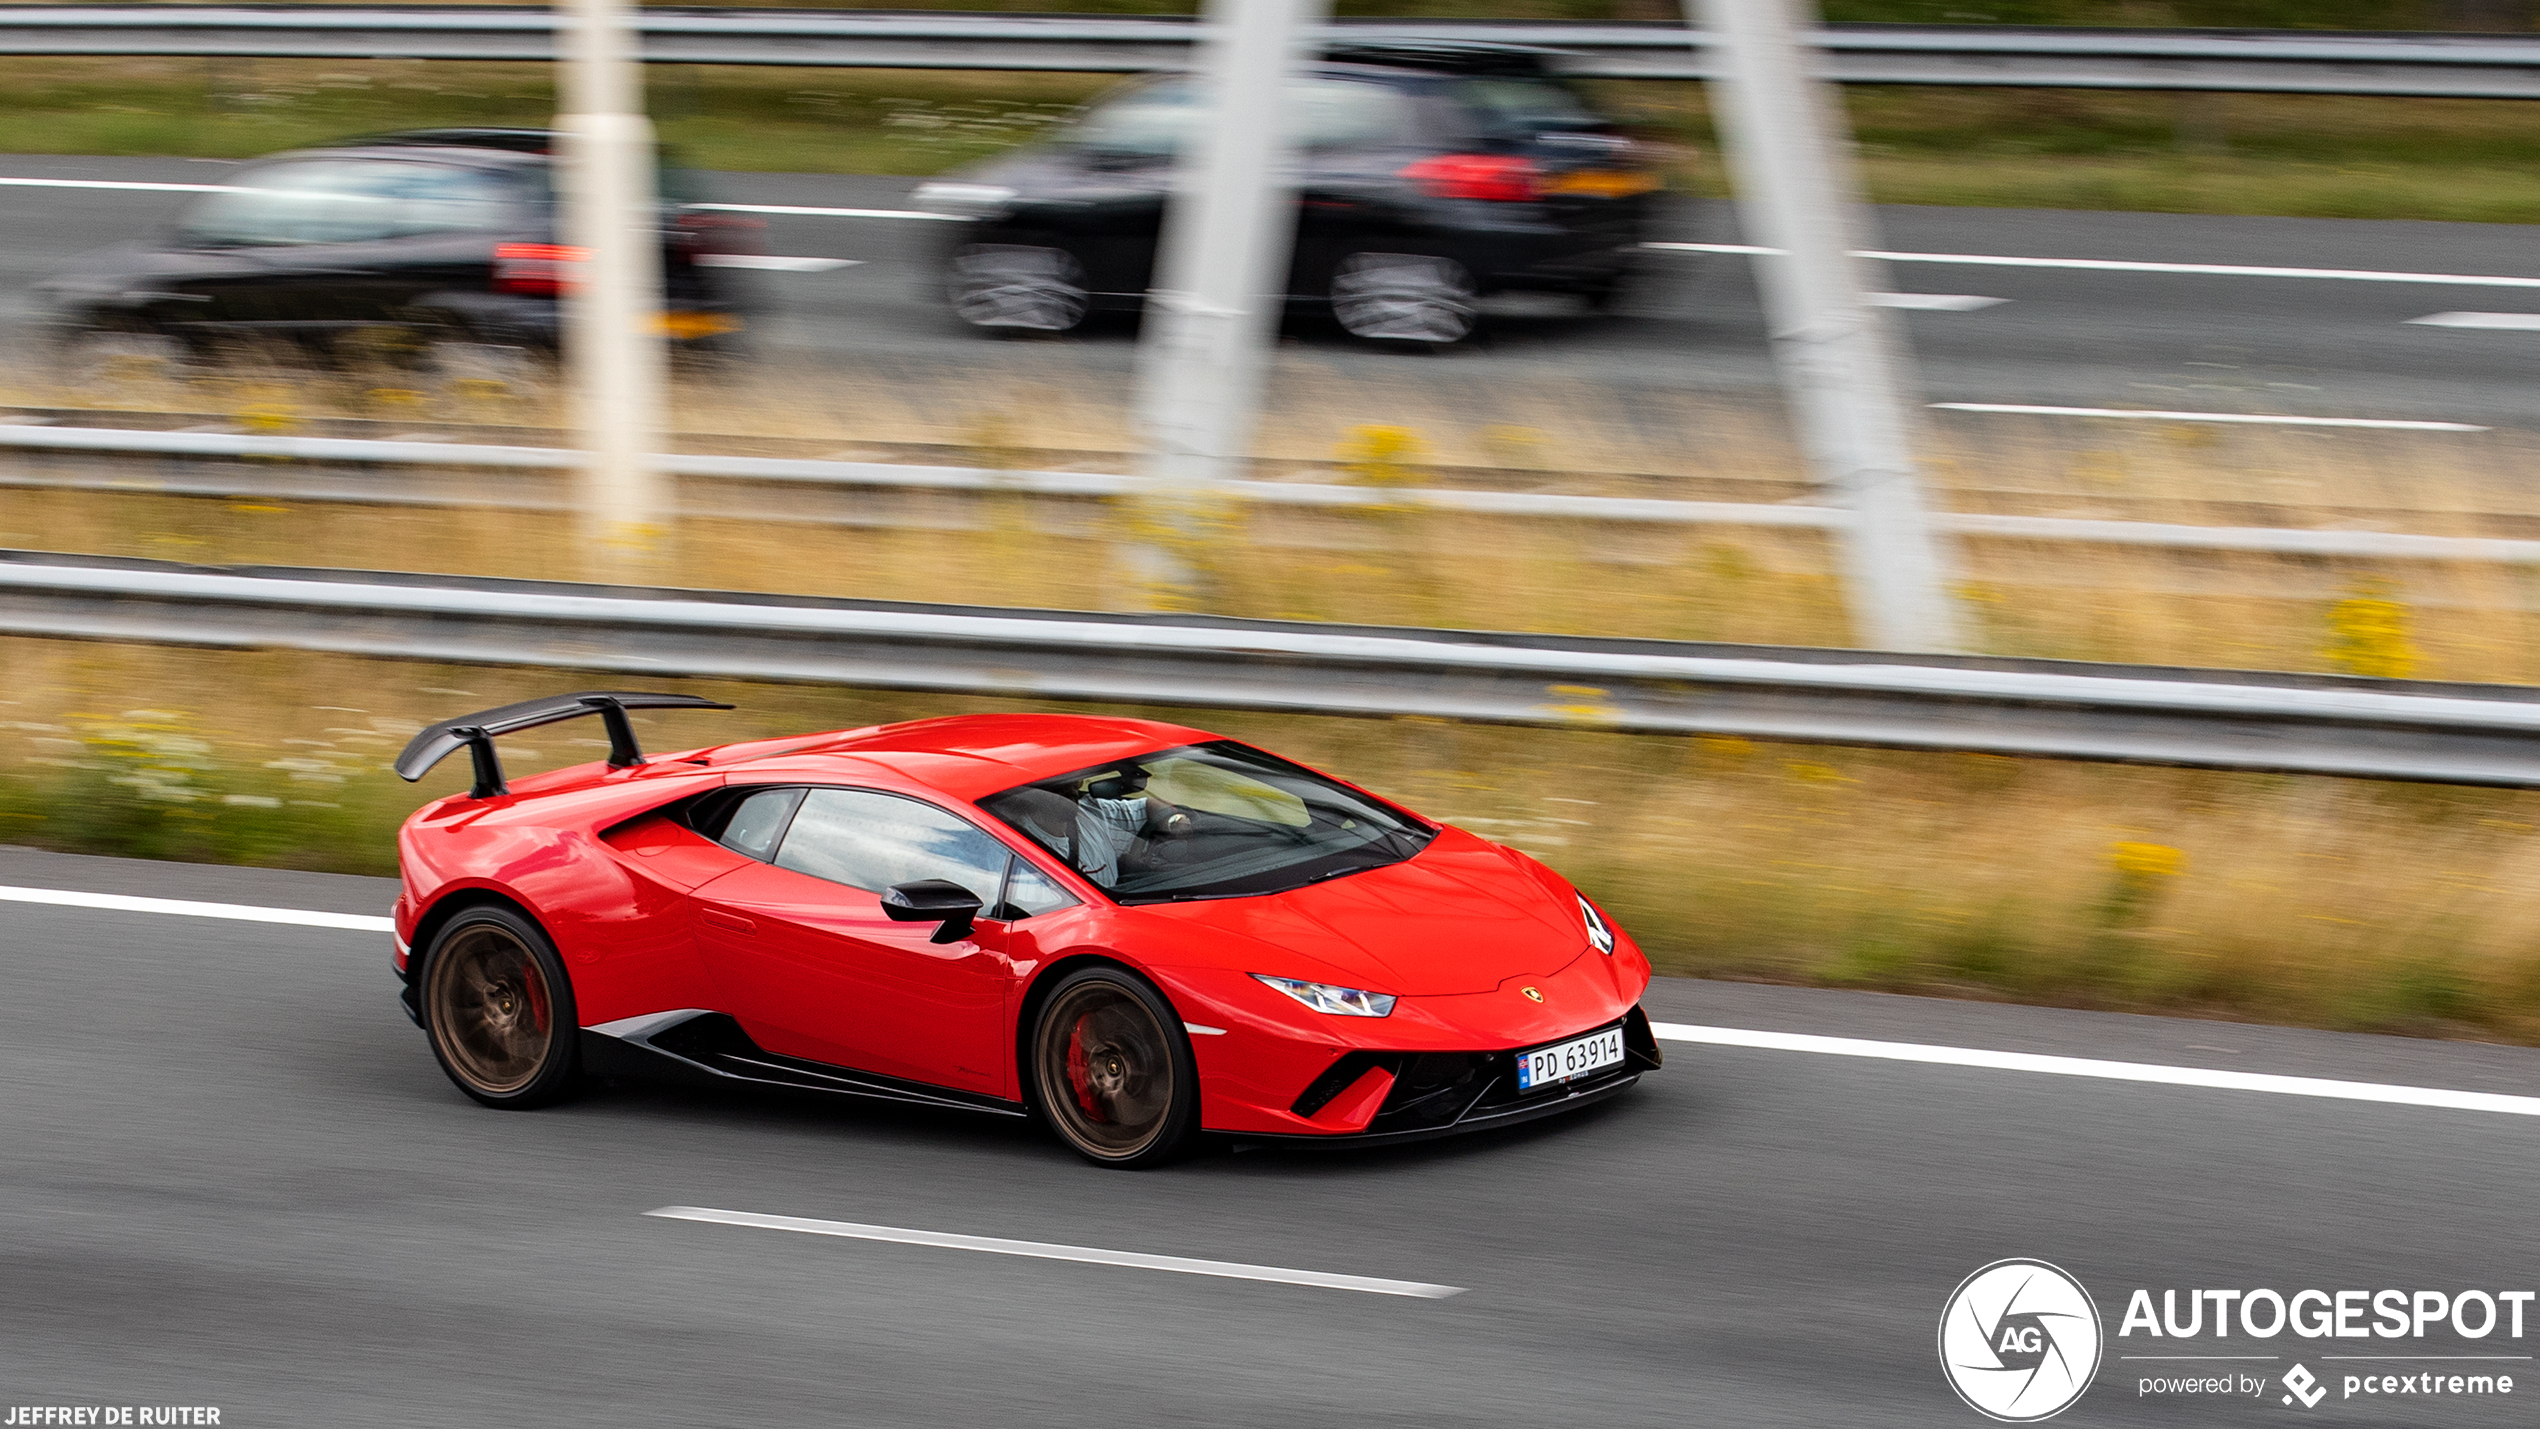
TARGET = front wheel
(1112,1070)
(1404,297)
(499,1010)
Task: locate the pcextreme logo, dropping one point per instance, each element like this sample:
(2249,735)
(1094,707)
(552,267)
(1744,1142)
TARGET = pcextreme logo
(2019,1341)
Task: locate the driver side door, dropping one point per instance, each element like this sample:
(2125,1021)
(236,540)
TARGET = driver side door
(811,966)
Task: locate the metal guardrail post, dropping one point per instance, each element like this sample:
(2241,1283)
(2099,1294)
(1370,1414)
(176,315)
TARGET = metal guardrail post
(1220,281)
(613,331)
(1790,165)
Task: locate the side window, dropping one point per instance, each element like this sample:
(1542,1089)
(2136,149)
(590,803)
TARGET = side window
(872,841)
(758,821)
(1029,891)
(346,201)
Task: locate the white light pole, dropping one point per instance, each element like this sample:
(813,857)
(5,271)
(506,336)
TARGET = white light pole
(614,358)
(1790,163)
(1221,268)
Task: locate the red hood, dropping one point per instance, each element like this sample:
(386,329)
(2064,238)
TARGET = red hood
(1463,916)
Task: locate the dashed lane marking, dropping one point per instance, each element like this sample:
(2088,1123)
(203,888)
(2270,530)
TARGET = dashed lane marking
(2120,265)
(2491,322)
(1136,1260)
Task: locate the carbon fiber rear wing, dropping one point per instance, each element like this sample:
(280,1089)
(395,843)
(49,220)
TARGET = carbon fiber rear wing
(475,732)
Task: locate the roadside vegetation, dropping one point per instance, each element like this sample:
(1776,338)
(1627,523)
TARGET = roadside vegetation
(2308,156)
(2308,901)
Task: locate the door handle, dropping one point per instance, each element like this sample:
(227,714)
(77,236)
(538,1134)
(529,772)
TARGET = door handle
(733,921)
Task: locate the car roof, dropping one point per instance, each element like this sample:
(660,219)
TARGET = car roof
(499,148)
(967,757)
(1481,57)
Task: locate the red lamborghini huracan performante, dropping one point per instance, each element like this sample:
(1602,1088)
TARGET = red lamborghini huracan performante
(1140,933)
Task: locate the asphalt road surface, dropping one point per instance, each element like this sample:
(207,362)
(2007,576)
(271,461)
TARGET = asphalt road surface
(231,1176)
(2314,347)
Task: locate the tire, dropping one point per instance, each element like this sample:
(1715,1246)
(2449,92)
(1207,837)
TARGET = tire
(1112,1071)
(1015,288)
(499,1010)
(1404,297)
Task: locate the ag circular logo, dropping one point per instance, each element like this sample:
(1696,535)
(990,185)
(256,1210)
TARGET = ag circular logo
(2019,1340)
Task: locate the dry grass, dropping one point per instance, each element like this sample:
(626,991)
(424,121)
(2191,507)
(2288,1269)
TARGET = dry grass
(2319,902)
(2465,621)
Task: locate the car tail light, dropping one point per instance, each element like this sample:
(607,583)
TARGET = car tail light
(538,269)
(1497,178)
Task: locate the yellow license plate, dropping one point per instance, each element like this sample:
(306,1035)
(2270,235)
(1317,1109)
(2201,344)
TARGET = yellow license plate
(695,325)
(1601,183)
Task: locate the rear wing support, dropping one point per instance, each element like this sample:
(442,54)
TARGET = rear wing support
(475,732)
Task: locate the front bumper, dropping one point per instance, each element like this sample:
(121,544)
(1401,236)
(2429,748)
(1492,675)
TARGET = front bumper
(1449,1093)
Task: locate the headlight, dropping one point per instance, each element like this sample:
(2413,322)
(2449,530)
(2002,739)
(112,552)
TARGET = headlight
(963,200)
(1600,933)
(1338,1001)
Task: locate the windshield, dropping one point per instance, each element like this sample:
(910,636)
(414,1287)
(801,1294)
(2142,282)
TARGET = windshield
(1213,820)
(1153,120)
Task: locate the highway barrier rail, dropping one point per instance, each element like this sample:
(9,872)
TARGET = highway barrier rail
(280,466)
(2214,719)
(2290,62)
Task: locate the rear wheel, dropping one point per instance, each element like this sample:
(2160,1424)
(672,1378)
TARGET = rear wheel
(499,1009)
(1018,288)
(1112,1070)
(1404,297)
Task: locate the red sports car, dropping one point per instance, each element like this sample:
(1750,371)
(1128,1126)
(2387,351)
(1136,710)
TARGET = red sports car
(1138,932)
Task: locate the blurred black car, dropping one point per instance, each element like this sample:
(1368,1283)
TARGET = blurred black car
(433,236)
(1430,175)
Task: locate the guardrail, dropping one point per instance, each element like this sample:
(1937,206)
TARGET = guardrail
(847,475)
(2214,719)
(2294,62)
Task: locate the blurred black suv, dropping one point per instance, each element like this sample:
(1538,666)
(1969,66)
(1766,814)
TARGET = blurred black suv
(435,235)
(1430,175)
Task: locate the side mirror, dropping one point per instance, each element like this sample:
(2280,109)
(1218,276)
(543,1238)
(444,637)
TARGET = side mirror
(933,900)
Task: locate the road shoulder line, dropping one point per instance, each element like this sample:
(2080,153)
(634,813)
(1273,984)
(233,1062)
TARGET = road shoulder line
(2147,1072)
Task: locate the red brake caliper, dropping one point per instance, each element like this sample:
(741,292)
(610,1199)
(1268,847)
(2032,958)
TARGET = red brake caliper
(534,988)
(1080,1078)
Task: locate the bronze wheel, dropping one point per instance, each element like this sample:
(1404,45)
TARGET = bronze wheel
(1113,1069)
(499,1009)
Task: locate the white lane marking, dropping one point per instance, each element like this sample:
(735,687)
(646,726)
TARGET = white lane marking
(2115,265)
(1933,302)
(1227,1269)
(774,263)
(787,208)
(2264,419)
(185,908)
(113,184)
(2493,322)
(1670,1031)
(2094,1067)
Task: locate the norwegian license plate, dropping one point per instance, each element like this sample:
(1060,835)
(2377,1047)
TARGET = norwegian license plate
(1563,1061)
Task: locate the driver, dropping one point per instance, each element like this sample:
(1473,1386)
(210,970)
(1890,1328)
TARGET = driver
(1106,827)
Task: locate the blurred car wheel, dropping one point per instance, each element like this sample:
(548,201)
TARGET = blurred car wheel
(999,285)
(1403,297)
(1113,1071)
(499,1009)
